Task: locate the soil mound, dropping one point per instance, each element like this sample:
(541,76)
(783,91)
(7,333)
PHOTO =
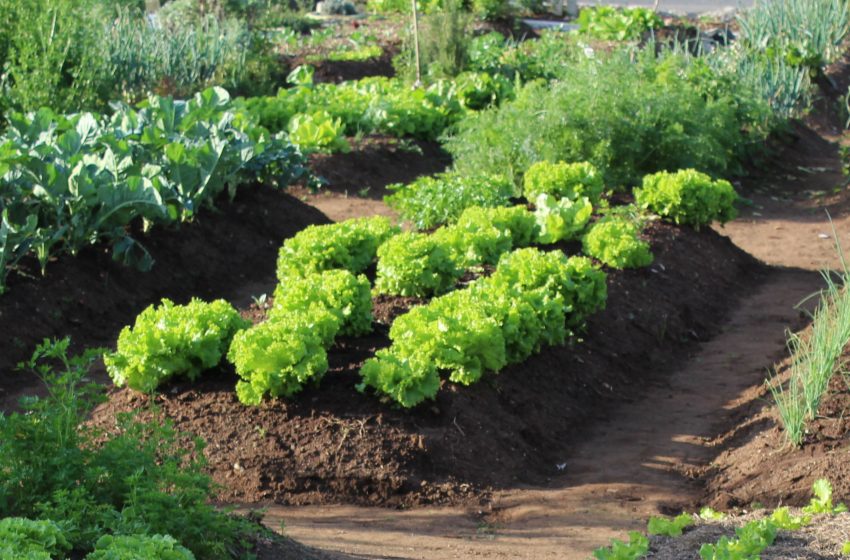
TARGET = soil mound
(332,444)
(90,297)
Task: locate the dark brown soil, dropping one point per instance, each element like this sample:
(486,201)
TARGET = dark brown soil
(333,444)
(345,70)
(375,162)
(90,297)
(758,466)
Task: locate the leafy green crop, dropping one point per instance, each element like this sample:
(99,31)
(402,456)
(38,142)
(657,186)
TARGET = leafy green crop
(616,242)
(279,357)
(317,132)
(688,197)
(782,518)
(561,219)
(669,527)
(371,105)
(473,245)
(67,181)
(432,201)
(822,499)
(171,340)
(525,304)
(342,293)
(516,221)
(751,540)
(34,540)
(637,547)
(581,285)
(139,547)
(614,24)
(562,180)
(351,245)
(415,264)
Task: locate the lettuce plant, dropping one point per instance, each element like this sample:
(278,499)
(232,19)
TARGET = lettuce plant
(317,132)
(281,356)
(563,180)
(561,219)
(617,243)
(351,245)
(346,296)
(516,221)
(31,540)
(669,527)
(688,197)
(170,340)
(525,304)
(415,264)
(139,547)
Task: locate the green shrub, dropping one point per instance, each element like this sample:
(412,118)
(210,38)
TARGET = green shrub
(562,180)
(137,478)
(642,121)
(617,24)
(431,201)
(561,219)
(617,243)
(139,547)
(351,245)
(345,295)
(25,538)
(444,37)
(415,264)
(492,10)
(279,357)
(171,340)
(688,197)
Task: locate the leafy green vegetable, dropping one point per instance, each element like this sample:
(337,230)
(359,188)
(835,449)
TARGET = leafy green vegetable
(617,24)
(67,181)
(821,502)
(493,321)
(415,264)
(351,245)
(317,132)
(616,242)
(170,340)
(431,201)
(688,197)
(139,547)
(25,538)
(669,527)
(637,547)
(516,221)
(782,518)
(561,219)
(473,245)
(751,540)
(709,514)
(406,382)
(342,293)
(279,357)
(563,180)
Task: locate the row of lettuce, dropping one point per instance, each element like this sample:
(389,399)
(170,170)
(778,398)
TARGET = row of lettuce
(531,299)
(751,539)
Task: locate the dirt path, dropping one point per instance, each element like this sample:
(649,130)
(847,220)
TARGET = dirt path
(635,466)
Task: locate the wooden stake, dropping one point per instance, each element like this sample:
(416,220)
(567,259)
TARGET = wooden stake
(416,44)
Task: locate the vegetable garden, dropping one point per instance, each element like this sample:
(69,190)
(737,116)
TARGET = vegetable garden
(552,255)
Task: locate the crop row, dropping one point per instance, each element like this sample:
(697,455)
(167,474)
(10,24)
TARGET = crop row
(68,181)
(532,299)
